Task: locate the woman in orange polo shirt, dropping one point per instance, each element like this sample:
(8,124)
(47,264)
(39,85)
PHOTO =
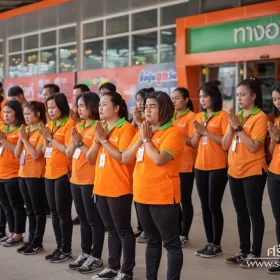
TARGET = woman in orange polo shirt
(244,141)
(92,228)
(10,195)
(183,117)
(273,174)
(31,173)
(56,136)
(211,165)
(158,148)
(113,184)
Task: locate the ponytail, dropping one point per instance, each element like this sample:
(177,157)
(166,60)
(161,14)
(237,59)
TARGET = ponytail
(190,105)
(123,112)
(185,93)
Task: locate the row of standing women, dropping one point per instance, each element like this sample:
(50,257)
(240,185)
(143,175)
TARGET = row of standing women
(106,164)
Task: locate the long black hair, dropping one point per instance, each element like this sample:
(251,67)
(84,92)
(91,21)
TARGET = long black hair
(276,87)
(117,100)
(16,106)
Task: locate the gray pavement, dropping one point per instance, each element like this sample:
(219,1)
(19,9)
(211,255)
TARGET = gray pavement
(14,266)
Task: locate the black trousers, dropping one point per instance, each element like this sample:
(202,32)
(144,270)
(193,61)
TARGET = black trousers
(116,216)
(273,183)
(160,224)
(211,187)
(139,226)
(60,202)
(247,195)
(3,220)
(92,228)
(33,193)
(186,213)
(13,205)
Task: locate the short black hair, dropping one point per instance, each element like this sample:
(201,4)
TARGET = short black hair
(15,91)
(82,87)
(144,92)
(91,100)
(276,87)
(253,86)
(111,87)
(16,106)
(165,106)
(211,89)
(185,94)
(53,88)
(61,102)
(37,107)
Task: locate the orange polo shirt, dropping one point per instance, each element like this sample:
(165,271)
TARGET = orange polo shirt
(9,164)
(243,163)
(33,168)
(184,123)
(82,172)
(58,165)
(115,179)
(212,156)
(154,184)
(274,165)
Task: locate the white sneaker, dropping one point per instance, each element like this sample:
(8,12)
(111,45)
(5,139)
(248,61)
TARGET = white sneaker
(142,238)
(184,241)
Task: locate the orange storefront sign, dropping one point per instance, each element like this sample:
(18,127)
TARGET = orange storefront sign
(188,64)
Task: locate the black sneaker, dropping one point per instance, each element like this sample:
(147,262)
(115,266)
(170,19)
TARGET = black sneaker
(106,273)
(51,255)
(275,269)
(11,242)
(91,265)
(4,239)
(137,232)
(23,247)
(212,252)
(202,250)
(32,250)
(122,276)
(237,258)
(61,257)
(251,261)
(2,235)
(78,262)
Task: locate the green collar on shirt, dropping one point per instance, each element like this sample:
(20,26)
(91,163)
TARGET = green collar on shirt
(28,128)
(184,113)
(253,112)
(213,114)
(64,120)
(83,125)
(7,131)
(166,125)
(118,124)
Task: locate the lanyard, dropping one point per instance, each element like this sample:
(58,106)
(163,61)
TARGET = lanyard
(56,128)
(207,120)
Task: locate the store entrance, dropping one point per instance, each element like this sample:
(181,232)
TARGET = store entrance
(267,73)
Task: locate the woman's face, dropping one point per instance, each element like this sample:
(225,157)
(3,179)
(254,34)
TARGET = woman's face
(53,110)
(152,111)
(244,97)
(30,117)
(82,109)
(9,115)
(178,100)
(276,99)
(205,100)
(107,110)
(140,103)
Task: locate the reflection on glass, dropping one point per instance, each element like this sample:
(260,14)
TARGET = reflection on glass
(116,25)
(16,68)
(1,47)
(31,63)
(117,52)
(93,30)
(31,42)
(144,48)
(67,58)
(93,55)
(48,61)
(67,35)
(143,20)
(1,68)
(168,45)
(15,45)
(48,39)
(169,14)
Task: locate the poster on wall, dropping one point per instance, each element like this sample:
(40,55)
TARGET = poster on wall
(129,80)
(33,86)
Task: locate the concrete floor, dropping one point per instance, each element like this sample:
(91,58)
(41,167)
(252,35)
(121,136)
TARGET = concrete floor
(14,266)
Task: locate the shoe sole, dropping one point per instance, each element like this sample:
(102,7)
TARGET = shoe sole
(228,262)
(210,256)
(91,271)
(273,273)
(10,245)
(141,241)
(185,245)
(60,261)
(33,253)
(74,268)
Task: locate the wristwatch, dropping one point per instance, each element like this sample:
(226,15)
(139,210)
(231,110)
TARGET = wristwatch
(49,139)
(79,144)
(278,142)
(104,142)
(147,140)
(239,128)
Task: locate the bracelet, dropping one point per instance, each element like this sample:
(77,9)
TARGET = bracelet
(104,142)
(147,140)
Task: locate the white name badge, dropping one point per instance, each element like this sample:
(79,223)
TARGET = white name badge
(140,154)
(48,152)
(233,146)
(102,160)
(1,150)
(77,153)
(204,140)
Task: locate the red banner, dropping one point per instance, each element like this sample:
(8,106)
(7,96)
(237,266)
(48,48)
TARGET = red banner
(33,86)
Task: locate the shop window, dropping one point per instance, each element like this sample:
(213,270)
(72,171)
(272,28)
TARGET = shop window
(48,61)
(1,68)
(67,35)
(117,25)
(211,6)
(93,30)
(31,64)
(15,45)
(67,58)
(1,47)
(48,39)
(168,45)
(15,66)
(31,42)
(93,55)
(143,20)
(169,14)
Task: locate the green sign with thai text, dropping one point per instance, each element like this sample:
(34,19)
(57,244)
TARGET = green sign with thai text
(256,32)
